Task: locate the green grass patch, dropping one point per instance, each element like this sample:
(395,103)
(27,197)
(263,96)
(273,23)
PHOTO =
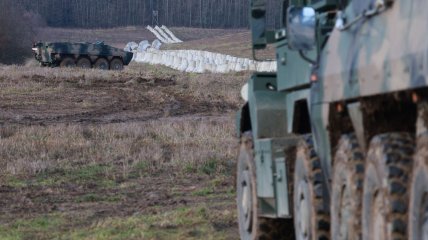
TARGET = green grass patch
(203,191)
(16,182)
(45,227)
(189,168)
(181,223)
(95,174)
(195,222)
(209,167)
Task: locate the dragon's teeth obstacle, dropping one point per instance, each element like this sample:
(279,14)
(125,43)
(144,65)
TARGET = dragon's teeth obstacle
(191,60)
(170,33)
(164,35)
(202,61)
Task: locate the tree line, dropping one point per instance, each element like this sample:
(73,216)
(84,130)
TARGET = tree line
(115,13)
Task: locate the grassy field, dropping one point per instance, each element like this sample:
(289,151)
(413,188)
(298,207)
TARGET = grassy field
(146,153)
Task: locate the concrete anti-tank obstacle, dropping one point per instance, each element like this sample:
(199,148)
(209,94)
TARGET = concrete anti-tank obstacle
(156,44)
(131,46)
(202,61)
(163,34)
(171,34)
(158,36)
(143,46)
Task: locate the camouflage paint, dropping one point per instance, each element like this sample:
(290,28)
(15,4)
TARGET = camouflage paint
(371,58)
(378,55)
(51,54)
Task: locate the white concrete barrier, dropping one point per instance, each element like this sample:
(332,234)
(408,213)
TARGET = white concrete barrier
(202,61)
(158,36)
(164,35)
(143,46)
(130,47)
(172,35)
(156,44)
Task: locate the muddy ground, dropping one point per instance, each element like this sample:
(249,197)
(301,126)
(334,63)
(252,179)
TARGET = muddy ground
(146,153)
(121,97)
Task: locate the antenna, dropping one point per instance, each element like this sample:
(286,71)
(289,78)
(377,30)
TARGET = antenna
(155,18)
(155,12)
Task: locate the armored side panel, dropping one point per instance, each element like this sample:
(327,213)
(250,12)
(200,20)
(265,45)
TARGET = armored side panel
(384,53)
(52,53)
(293,71)
(267,108)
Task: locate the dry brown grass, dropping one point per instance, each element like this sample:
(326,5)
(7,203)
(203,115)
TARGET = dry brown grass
(181,145)
(87,151)
(30,93)
(86,146)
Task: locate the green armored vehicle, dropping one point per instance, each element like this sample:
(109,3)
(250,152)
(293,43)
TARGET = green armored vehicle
(83,55)
(335,144)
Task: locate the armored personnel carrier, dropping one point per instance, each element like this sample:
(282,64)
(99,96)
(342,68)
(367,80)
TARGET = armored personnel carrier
(335,144)
(83,55)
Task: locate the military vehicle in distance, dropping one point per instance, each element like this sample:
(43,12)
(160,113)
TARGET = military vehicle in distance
(83,55)
(335,144)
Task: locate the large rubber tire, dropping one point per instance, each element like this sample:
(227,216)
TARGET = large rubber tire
(251,226)
(67,62)
(101,63)
(385,195)
(116,64)
(84,63)
(311,220)
(418,212)
(347,186)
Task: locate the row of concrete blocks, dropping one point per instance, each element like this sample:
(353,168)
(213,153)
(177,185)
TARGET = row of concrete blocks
(202,61)
(142,46)
(164,35)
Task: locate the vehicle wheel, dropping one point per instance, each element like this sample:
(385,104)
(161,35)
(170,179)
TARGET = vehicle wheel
(251,226)
(67,62)
(116,64)
(101,63)
(418,212)
(385,195)
(84,63)
(311,221)
(347,186)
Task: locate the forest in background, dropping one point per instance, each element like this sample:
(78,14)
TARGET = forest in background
(116,13)
(20,19)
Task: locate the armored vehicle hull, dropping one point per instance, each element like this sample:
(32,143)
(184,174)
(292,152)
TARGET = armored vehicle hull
(335,145)
(83,55)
